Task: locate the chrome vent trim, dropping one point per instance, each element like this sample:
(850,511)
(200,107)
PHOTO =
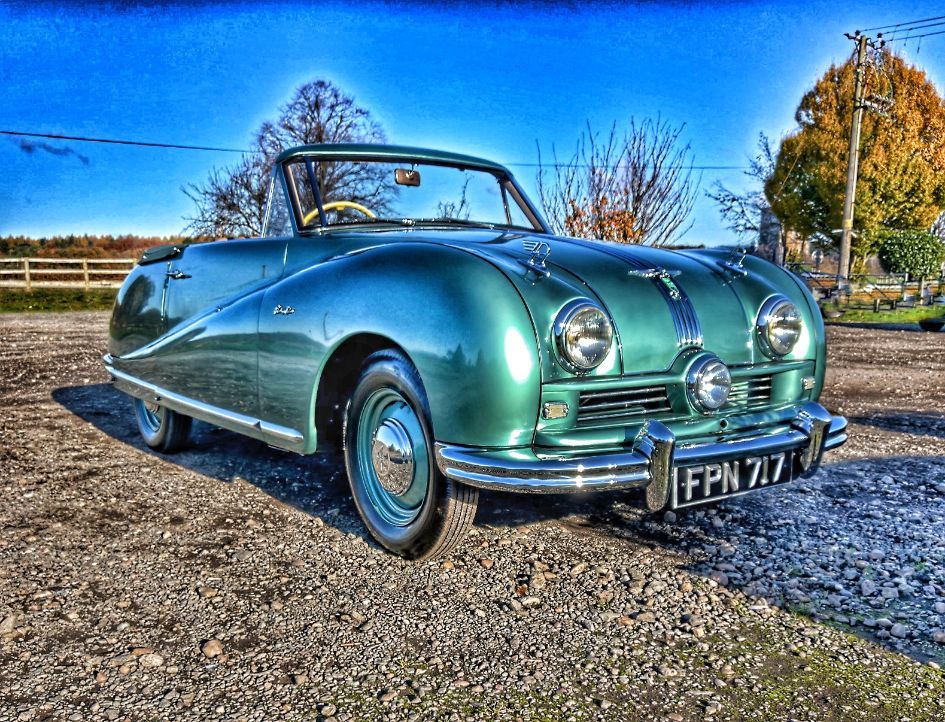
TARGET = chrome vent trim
(688,329)
(622,405)
(751,392)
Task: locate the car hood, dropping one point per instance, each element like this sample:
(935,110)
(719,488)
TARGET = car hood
(660,301)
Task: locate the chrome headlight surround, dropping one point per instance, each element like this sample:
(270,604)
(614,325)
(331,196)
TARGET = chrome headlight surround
(583,336)
(708,384)
(779,326)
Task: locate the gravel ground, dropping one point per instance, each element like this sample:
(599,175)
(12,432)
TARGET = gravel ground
(234,582)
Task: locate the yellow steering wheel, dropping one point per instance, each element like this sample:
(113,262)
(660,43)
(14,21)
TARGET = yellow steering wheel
(338,205)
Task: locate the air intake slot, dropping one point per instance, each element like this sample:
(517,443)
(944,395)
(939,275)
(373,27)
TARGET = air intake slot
(622,404)
(750,393)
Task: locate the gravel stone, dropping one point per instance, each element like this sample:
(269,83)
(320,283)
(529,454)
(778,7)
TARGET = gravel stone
(899,631)
(211,648)
(151,660)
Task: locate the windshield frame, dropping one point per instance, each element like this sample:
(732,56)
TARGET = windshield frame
(511,192)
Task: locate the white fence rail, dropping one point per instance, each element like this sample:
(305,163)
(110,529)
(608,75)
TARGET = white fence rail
(87,273)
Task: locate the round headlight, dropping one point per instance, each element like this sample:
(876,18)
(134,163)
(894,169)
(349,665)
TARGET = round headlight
(779,326)
(709,383)
(583,335)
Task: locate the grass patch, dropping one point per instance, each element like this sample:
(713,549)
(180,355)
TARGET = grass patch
(900,315)
(16,300)
(834,681)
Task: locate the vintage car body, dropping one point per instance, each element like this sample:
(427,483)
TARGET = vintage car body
(269,337)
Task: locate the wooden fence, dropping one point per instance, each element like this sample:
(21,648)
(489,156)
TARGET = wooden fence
(87,273)
(876,291)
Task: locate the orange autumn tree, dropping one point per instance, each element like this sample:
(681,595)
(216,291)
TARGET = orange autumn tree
(901,182)
(634,187)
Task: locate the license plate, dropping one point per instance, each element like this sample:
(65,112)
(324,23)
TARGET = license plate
(700,483)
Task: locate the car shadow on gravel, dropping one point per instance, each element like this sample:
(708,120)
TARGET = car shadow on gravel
(809,547)
(860,546)
(315,485)
(906,422)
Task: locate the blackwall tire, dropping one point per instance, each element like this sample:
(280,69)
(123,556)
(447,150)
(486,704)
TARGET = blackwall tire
(162,429)
(408,506)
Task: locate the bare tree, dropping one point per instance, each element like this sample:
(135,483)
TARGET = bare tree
(744,213)
(635,187)
(749,214)
(231,203)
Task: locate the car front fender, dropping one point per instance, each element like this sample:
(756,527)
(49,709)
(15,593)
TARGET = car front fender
(457,317)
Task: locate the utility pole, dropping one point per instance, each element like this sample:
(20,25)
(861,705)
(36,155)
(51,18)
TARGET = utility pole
(853,159)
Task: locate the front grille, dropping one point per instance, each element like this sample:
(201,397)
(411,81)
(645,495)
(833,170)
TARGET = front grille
(622,404)
(632,405)
(750,393)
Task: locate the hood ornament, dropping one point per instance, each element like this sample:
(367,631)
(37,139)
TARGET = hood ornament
(538,253)
(661,275)
(733,264)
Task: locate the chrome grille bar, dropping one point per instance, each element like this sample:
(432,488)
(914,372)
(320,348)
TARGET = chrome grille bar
(622,404)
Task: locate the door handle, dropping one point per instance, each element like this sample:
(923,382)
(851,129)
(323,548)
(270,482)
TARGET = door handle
(281,310)
(177,274)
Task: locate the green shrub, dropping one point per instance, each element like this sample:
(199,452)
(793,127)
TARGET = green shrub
(918,253)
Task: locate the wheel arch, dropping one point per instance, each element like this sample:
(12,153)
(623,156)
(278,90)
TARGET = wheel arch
(338,378)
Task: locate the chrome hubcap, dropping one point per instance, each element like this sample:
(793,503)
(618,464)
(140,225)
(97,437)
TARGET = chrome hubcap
(151,416)
(392,456)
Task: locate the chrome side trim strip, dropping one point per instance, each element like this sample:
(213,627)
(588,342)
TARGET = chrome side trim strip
(282,432)
(274,433)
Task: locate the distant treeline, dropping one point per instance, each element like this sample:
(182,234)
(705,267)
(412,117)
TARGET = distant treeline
(84,246)
(106,246)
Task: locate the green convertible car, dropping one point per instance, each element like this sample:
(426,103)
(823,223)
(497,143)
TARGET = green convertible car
(412,308)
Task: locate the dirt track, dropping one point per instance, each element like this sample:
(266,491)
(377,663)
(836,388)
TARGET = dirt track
(117,566)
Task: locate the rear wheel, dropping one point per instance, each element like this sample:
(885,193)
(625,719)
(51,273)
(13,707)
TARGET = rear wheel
(406,504)
(162,429)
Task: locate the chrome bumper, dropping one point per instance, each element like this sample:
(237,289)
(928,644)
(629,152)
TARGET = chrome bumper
(648,463)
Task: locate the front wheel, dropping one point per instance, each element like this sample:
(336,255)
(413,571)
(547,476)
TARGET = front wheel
(162,429)
(406,504)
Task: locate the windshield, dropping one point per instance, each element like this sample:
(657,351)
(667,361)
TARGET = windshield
(406,193)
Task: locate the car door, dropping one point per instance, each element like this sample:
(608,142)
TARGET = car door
(213,299)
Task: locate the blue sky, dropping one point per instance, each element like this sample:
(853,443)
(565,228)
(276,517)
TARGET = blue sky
(485,79)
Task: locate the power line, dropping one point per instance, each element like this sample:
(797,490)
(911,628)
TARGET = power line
(909,29)
(914,37)
(583,165)
(906,22)
(116,141)
(182,146)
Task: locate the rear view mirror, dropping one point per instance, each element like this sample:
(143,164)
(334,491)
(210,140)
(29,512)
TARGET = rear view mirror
(407,177)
